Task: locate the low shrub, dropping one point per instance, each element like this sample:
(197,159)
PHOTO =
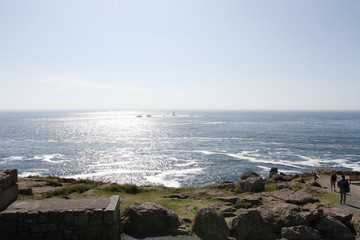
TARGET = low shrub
(127,188)
(53,184)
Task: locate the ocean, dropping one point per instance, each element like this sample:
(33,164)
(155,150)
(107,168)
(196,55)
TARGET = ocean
(192,148)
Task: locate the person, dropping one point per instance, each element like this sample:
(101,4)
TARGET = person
(333,179)
(316,177)
(344,187)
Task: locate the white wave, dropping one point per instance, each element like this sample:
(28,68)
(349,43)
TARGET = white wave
(168,178)
(27,174)
(245,156)
(264,168)
(205,152)
(337,163)
(187,164)
(215,123)
(51,158)
(313,162)
(14,158)
(343,163)
(107,173)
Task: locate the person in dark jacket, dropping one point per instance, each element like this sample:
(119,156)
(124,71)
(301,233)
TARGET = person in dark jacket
(333,180)
(344,187)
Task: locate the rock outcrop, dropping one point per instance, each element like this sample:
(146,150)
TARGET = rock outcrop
(283,215)
(150,218)
(282,185)
(210,224)
(249,224)
(273,171)
(300,232)
(331,228)
(299,197)
(248,174)
(224,184)
(251,184)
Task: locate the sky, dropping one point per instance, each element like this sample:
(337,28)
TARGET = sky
(180,54)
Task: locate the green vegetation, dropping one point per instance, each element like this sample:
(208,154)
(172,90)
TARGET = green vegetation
(123,188)
(270,187)
(330,197)
(242,203)
(77,188)
(52,181)
(184,201)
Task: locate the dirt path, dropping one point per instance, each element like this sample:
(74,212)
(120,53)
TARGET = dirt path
(352,206)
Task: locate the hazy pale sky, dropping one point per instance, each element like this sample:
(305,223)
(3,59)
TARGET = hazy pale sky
(180,54)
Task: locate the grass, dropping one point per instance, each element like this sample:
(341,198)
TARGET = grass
(77,188)
(183,207)
(123,188)
(270,187)
(58,181)
(331,198)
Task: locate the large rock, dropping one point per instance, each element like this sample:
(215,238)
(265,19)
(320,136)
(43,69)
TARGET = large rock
(210,224)
(273,171)
(249,224)
(248,174)
(253,199)
(341,215)
(230,199)
(300,232)
(312,215)
(282,185)
(251,184)
(150,218)
(356,223)
(332,228)
(224,184)
(283,215)
(300,197)
(277,177)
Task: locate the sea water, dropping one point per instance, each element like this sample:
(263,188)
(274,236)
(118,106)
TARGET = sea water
(192,148)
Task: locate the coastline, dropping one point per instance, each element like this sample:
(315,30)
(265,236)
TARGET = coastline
(274,200)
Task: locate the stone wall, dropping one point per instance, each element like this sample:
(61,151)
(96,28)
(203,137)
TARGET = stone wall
(8,187)
(65,224)
(56,219)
